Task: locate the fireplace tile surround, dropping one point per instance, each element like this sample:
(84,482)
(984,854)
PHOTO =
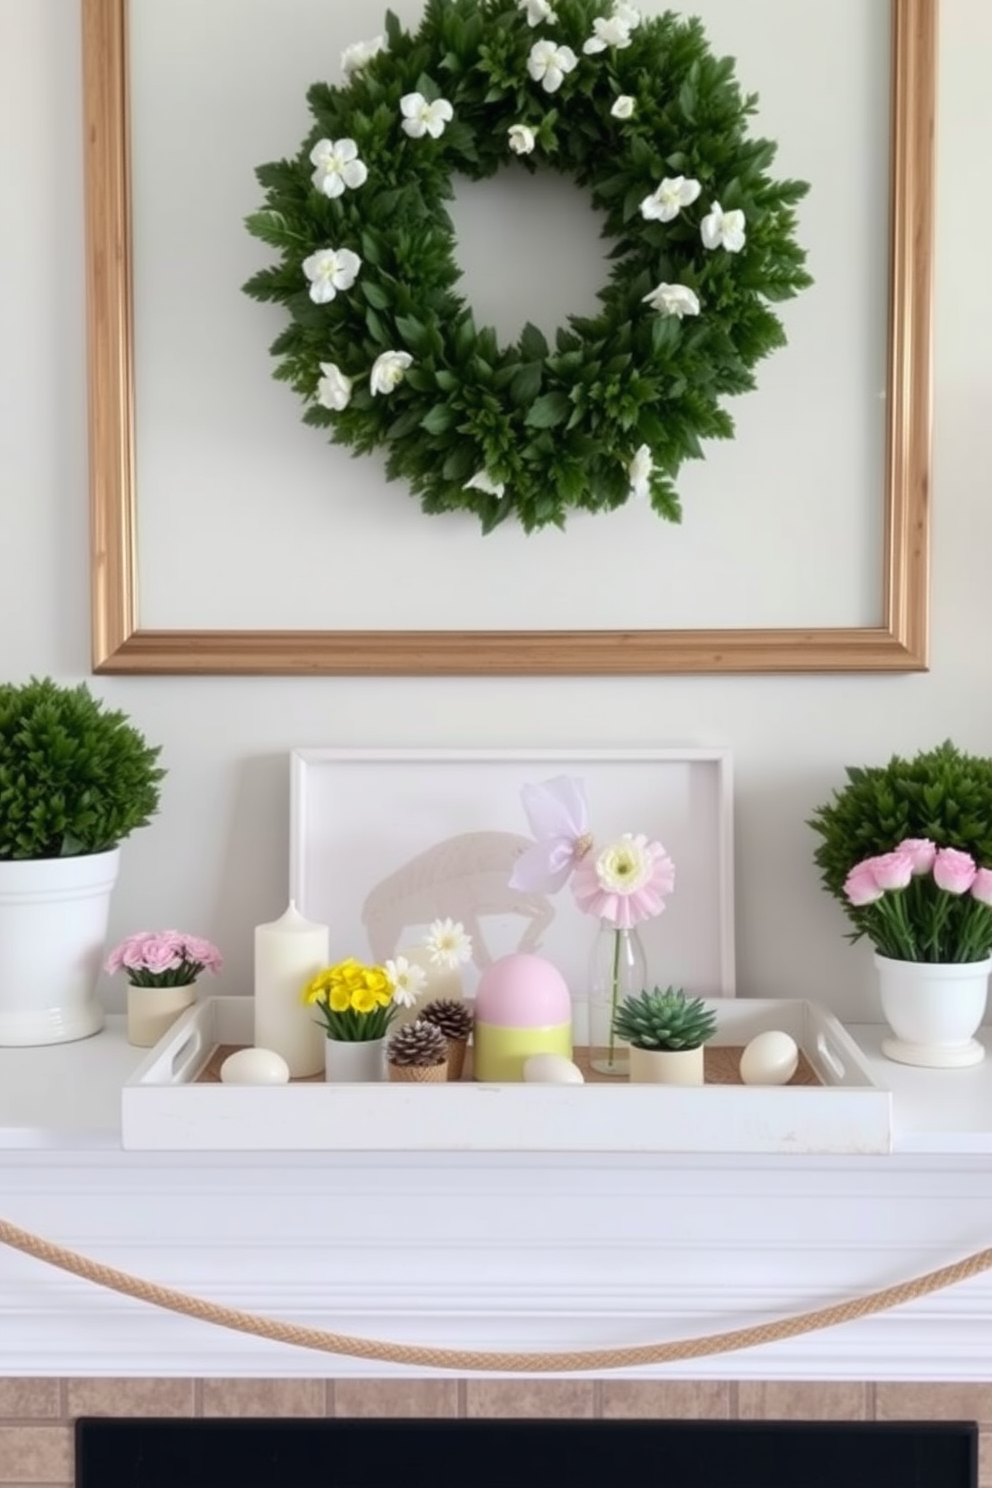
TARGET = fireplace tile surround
(36,1415)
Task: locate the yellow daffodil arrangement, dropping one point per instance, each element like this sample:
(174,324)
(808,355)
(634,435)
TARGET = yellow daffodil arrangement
(357,1002)
(385,353)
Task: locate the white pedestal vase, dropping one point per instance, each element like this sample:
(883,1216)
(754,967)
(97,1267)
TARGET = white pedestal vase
(934,1009)
(53,931)
(151,1011)
(667,1066)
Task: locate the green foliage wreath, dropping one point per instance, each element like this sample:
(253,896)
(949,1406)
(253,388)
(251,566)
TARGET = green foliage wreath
(385,352)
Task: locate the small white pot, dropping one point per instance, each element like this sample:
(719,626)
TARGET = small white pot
(53,929)
(347,1063)
(151,1011)
(934,1009)
(667,1066)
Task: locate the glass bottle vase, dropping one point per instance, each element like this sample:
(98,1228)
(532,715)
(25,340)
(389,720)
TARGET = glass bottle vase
(617,969)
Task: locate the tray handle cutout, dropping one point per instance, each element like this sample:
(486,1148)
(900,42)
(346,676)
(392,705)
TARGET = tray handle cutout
(830,1056)
(187,1058)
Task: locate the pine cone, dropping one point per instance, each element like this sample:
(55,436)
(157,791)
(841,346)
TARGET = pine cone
(454,1018)
(417,1045)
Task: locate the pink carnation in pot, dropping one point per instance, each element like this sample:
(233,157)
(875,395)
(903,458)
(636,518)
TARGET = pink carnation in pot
(890,870)
(163,958)
(954,871)
(921,850)
(861,886)
(981,888)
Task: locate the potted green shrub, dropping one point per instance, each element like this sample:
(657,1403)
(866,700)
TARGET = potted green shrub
(906,849)
(666,1031)
(76,779)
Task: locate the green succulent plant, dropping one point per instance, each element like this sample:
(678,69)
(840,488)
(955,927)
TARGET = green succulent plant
(75,777)
(664,1020)
(941,793)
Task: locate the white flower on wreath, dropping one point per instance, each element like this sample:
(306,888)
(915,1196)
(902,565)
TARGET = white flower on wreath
(522,139)
(548,64)
(333,389)
(673,299)
(608,31)
(338,166)
(538,12)
(623,107)
(483,481)
(360,54)
(407,981)
(629,14)
(640,470)
(421,117)
(330,270)
(388,370)
(667,200)
(720,229)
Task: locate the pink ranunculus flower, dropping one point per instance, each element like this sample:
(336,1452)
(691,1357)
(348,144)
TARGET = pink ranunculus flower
(954,871)
(626,882)
(921,850)
(861,886)
(981,888)
(891,870)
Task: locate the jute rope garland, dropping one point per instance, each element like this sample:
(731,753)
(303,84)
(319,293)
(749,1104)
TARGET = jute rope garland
(475,1360)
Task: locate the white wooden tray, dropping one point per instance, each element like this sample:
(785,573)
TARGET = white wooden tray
(164,1110)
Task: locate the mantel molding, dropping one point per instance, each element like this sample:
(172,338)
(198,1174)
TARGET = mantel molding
(524,1256)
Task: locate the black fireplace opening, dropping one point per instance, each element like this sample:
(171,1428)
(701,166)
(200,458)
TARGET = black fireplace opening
(262,1453)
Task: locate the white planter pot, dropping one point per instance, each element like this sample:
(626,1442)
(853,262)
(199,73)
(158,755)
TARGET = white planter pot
(347,1063)
(53,931)
(151,1012)
(934,1009)
(667,1066)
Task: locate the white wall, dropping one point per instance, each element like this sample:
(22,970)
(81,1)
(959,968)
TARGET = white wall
(215,859)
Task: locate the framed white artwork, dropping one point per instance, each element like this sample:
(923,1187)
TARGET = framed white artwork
(383,842)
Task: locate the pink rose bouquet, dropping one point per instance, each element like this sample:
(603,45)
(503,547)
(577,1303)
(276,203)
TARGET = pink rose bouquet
(921,902)
(163,958)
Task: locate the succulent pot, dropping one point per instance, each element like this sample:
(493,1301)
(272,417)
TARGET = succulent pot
(667,1066)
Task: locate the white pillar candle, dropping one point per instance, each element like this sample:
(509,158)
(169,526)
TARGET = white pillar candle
(288,953)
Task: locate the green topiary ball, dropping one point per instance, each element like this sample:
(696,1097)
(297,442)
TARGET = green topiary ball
(943,794)
(75,777)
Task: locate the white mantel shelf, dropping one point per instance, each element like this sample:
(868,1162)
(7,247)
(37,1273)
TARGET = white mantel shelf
(534,1252)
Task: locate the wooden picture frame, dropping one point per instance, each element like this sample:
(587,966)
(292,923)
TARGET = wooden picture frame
(121,645)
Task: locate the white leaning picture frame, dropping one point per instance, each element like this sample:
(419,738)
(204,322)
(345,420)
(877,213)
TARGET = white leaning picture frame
(384,841)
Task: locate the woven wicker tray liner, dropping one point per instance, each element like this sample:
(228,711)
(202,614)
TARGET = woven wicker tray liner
(722,1067)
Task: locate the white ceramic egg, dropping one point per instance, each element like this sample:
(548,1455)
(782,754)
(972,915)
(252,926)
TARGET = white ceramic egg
(254,1067)
(551,1069)
(769,1059)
